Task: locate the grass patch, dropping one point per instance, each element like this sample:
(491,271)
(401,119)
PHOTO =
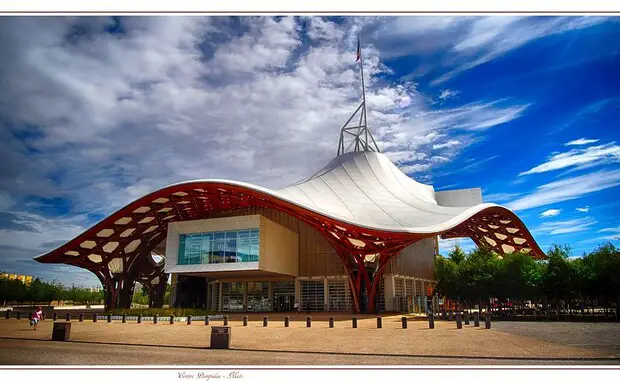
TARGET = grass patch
(177,312)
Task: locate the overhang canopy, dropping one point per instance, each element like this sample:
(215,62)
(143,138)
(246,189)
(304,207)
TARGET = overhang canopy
(357,197)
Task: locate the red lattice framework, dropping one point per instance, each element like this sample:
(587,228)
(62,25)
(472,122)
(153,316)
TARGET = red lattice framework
(119,248)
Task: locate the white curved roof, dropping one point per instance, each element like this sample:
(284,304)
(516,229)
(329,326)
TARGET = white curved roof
(367,189)
(363,189)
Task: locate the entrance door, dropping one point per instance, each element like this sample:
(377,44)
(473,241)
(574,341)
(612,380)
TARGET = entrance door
(284,296)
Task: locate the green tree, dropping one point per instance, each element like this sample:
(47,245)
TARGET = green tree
(16,291)
(605,263)
(457,255)
(557,277)
(479,275)
(446,273)
(36,291)
(141,297)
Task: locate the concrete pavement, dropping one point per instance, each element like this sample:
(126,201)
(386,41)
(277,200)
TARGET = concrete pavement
(131,343)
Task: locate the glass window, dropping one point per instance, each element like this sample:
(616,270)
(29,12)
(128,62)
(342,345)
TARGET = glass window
(243,249)
(182,260)
(219,247)
(206,248)
(193,248)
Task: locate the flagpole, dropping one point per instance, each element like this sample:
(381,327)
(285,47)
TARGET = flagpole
(359,41)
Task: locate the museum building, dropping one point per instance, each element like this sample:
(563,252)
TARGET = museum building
(359,235)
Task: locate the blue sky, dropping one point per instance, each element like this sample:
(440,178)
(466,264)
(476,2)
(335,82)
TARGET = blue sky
(96,112)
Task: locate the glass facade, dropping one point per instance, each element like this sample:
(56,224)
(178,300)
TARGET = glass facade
(219,247)
(232,296)
(339,295)
(312,295)
(258,296)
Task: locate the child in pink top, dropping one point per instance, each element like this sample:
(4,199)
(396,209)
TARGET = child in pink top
(36,317)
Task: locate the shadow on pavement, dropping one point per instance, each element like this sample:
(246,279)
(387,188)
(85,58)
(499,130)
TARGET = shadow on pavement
(609,358)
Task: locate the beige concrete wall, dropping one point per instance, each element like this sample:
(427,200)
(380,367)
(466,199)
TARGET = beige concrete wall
(417,260)
(279,248)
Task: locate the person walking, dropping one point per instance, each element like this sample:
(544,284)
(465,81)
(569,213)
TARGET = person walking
(36,317)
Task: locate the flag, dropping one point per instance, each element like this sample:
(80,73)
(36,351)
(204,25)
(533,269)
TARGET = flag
(359,51)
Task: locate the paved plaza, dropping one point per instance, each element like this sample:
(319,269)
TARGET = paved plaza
(546,343)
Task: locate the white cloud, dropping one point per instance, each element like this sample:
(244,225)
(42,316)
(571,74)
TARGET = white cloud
(448,144)
(488,38)
(32,235)
(581,141)
(95,120)
(6,201)
(405,101)
(398,157)
(500,197)
(579,158)
(565,227)
(567,189)
(613,236)
(454,128)
(475,116)
(610,230)
(446,94)
(550,213)
(322,29)
(414,168)
(585,209)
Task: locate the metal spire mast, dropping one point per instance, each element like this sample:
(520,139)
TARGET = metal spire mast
(358,134)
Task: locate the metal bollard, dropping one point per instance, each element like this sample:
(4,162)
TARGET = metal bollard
(139,318)
(19,315)
(81,316)
(155,317)
(95,318)
(8,314)
(431,321)
(286,321)
(265,321)
(331,322)
(55,316)
(226,320)
(68,317)
(354,322)
(245,321)
(124,318)
(466,317)
(404,322)
(109,318)
(379,322)
(171,319)
(476,319)
(459,322)
(189,320)
(308,322)
(206,320)
(487,321)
